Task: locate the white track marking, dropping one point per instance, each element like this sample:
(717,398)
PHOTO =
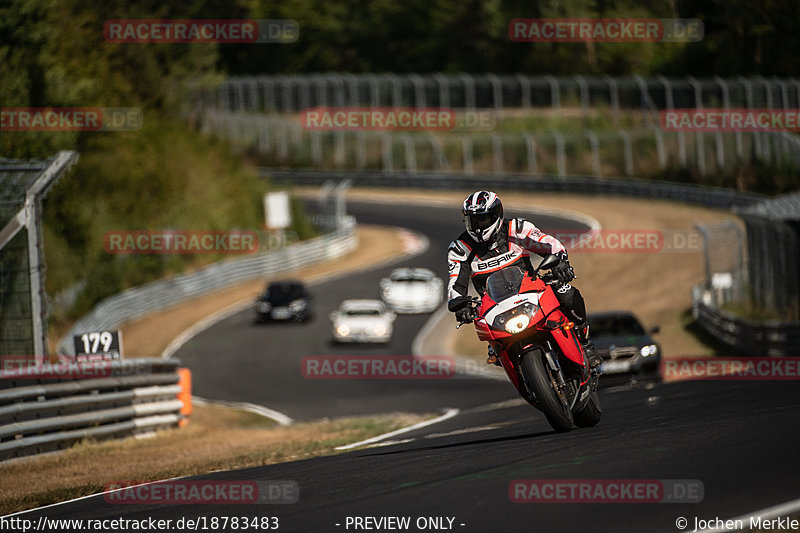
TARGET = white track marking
(450,413)
(277,416)
(776,511)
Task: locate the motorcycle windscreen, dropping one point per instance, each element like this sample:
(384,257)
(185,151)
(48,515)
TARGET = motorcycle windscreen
(504,283)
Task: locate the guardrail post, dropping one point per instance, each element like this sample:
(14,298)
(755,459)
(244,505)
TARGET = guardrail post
(419,90)
(361,150)
(584,88)
(386,152)
(439,160)
(561,160)
(466,153)
(497,153)
(339,152)
(594,143)
(555,93)
(525,90)
(497,91)
(444,90)
(469,90)
(628,148)
(660,148)
(613,95)
(410,153)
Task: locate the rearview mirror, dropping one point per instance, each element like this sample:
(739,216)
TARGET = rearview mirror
(333,315)
(654,330)
(548,262)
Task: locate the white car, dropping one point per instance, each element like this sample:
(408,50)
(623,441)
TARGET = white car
(362,321)
(412,290)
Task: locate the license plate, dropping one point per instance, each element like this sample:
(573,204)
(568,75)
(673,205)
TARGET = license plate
(281,313)
(614,367)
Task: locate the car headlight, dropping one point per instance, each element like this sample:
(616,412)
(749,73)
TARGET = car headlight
(650,349)
(387,292)
(516,319)
(380,331)
(297,305)
(342,330)
(264,307)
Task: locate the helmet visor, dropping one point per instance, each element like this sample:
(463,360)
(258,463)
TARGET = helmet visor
(480,221)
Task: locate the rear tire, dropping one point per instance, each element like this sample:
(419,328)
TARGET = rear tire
(537,374)
(590,414)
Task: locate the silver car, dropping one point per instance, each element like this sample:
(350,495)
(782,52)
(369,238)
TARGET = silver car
(362,321)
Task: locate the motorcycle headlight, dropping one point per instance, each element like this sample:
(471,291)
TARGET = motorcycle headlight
(650,349)
(516,319)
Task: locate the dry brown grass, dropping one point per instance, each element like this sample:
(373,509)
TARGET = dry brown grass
(216,439)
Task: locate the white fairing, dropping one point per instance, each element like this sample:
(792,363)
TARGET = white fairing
(511,303)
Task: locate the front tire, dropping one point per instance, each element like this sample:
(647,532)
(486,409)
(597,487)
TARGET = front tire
(538,375)
(590,414)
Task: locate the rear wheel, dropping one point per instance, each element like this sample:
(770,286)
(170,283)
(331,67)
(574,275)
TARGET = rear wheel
(590,414)
(541,378)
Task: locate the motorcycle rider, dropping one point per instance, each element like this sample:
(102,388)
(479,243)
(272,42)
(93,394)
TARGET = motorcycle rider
(492,242)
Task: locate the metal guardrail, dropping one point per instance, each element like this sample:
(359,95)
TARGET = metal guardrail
(695,194)
(747,337)
(138,301)
(297,92)
(50,407)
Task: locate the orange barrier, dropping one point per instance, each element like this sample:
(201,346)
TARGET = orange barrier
(185,396)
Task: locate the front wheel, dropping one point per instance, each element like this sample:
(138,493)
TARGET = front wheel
(538,374)
(590,414)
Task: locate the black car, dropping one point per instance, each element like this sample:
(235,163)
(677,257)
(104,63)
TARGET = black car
(284,300)
(624,344)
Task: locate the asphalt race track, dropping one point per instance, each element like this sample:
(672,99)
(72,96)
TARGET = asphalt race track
(239,359)
(739,439)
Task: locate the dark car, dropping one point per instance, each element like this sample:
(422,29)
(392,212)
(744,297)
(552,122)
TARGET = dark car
(284,300)
(624,344)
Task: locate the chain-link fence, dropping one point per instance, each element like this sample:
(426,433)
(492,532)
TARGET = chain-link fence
(23,185)
(286,94)
(598,153)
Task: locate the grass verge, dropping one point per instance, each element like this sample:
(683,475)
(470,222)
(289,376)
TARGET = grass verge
(218,438)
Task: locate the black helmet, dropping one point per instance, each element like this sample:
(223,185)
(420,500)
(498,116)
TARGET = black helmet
(483,215)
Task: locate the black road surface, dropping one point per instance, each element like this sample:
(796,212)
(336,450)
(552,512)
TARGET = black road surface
(739,439)
(241,360)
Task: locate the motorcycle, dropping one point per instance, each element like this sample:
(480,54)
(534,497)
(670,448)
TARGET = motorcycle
(537,345)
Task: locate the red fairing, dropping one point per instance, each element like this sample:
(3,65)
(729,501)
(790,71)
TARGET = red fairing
(567,340)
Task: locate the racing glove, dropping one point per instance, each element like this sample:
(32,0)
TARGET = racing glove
(464,315)
(563,270)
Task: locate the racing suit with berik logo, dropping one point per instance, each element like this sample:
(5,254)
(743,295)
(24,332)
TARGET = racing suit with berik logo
(513,244)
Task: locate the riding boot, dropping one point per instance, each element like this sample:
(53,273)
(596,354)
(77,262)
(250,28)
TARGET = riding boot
(594,358)
(492,359)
